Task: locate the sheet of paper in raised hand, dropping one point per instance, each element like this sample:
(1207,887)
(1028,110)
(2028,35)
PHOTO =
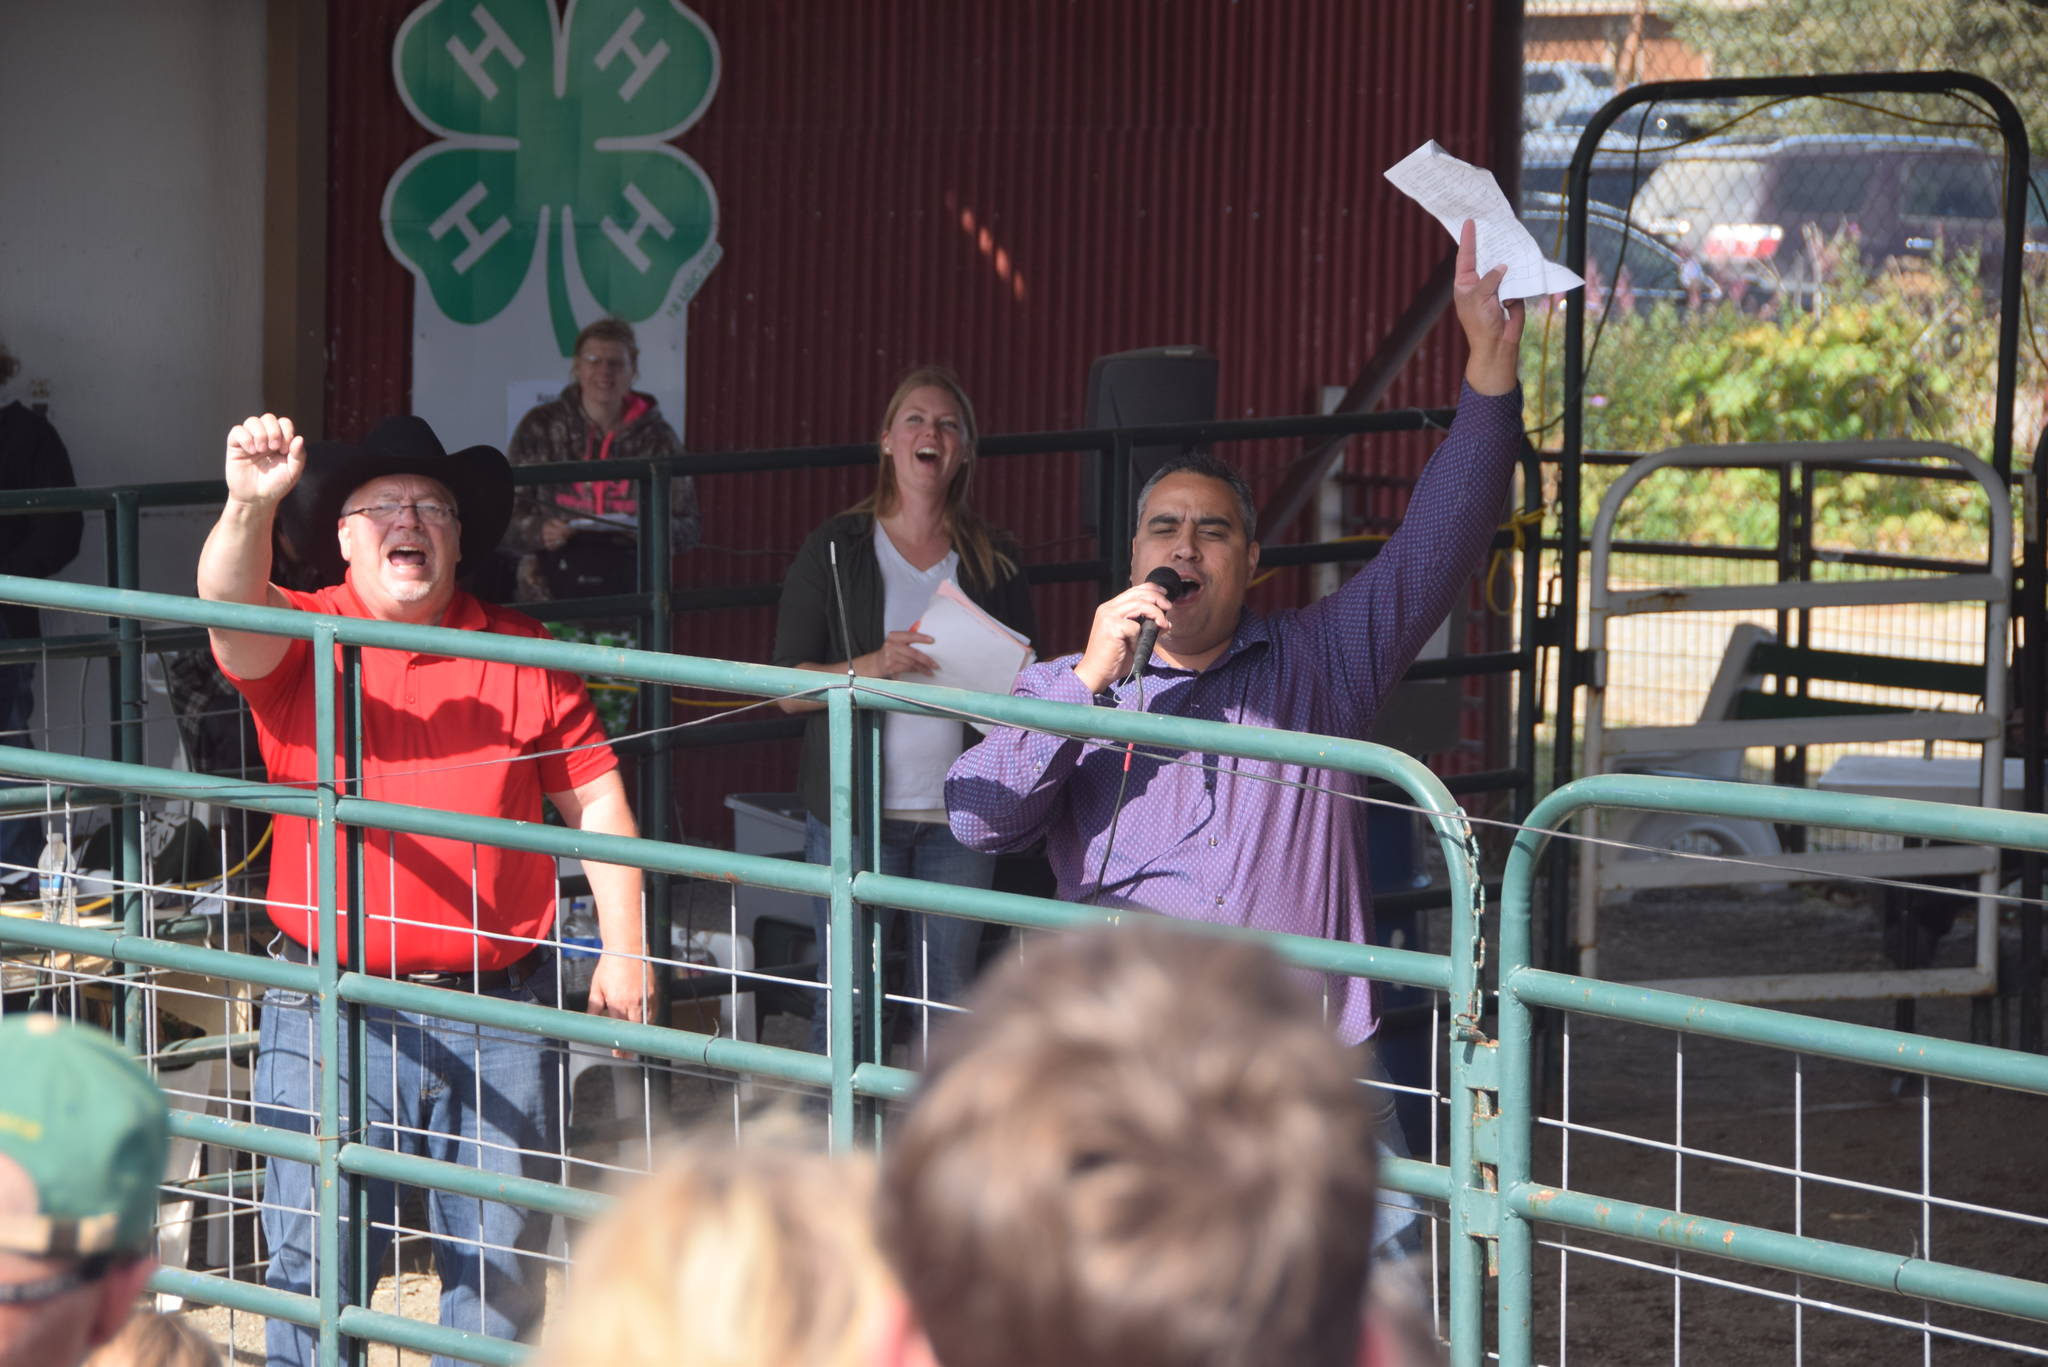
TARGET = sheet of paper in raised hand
(1454,191)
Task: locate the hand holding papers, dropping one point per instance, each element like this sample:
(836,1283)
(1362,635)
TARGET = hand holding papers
(1454,191)
(972,649)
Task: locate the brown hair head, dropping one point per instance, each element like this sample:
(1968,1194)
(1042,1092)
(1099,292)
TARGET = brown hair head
(970,535)
(608,330)
(1144,1148)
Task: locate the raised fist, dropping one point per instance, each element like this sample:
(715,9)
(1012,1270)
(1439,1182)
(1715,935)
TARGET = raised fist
(265,459)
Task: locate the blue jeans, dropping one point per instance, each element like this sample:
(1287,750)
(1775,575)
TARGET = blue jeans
(1397,1221)
(21,840)
(942,948)
(435,1088)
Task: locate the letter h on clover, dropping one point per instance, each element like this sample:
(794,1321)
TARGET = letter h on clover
(554,142)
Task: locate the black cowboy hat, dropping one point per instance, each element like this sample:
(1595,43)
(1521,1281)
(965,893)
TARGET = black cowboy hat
(478,476)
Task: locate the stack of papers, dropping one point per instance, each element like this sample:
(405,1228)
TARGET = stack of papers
(972,649)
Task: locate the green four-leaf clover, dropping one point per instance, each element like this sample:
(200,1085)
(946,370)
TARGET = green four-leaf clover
(554,141)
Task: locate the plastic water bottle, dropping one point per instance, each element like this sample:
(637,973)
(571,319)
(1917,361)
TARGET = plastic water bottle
(580,939)
(57,882)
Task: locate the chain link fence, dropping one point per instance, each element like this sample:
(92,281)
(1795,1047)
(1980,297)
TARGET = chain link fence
(1786,268)
(1783,268)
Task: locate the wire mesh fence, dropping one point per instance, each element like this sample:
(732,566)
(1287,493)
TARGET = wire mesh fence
(1787,1141)
(1768,275)
(228,1191)
(622,1106)
(393,1106)
(1787,266)
(1826,263)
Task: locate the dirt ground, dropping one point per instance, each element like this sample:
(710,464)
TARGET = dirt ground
(240,1336)
(1852,1129)
(1861,1127)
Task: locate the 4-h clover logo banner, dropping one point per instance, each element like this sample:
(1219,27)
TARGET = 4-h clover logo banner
(553,197)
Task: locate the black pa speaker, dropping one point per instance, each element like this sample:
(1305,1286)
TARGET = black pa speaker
(1142,389)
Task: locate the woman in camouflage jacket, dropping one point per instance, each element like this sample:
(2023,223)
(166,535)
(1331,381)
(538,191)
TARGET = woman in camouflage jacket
(598,417)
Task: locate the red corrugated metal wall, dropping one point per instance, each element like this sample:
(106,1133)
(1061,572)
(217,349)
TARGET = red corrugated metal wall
(1012,189)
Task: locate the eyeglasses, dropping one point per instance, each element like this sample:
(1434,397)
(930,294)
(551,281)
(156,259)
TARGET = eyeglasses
(46,1288)
(432,514)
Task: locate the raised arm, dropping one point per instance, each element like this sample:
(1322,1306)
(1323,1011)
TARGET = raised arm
(265,458)
(1370,630)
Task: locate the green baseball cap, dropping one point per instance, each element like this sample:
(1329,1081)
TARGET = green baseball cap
(88,1125)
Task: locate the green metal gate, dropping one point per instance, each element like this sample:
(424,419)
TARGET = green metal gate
(1488,1186)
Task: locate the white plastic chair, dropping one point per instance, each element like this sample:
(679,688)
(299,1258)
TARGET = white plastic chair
(1692,832)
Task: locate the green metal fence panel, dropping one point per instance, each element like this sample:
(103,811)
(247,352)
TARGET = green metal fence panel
(1866,1267)
(1523,987)
(340,1153)
(1487,1184)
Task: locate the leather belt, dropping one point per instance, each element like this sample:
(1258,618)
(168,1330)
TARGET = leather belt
(489,980)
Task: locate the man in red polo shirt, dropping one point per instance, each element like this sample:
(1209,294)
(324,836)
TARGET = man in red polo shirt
(448,733)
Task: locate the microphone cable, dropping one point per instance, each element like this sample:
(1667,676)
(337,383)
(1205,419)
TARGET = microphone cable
(1149,633)
(1116,812)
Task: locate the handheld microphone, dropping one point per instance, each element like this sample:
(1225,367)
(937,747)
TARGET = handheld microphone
(1176,589)
(1148,634)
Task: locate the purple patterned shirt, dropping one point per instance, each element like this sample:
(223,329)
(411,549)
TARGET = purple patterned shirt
(1200,844)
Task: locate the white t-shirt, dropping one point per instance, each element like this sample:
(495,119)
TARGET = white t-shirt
(916,751)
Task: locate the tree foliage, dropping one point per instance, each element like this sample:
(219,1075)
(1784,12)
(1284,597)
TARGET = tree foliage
(1890,354)
(1897,356)
(2005,41)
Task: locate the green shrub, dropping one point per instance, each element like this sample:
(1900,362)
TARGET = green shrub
(1898,354)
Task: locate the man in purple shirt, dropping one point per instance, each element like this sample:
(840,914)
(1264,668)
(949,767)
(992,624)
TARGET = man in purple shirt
(1217,843)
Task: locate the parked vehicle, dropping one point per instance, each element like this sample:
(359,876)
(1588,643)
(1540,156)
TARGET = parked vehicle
(1656,273)
(1759,212)
(1635,145)
(1550,88)
(1657,126)
(1618,174)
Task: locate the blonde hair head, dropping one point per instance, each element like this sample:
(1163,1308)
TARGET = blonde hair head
(971,537)
(153,1340)
(725,1257)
